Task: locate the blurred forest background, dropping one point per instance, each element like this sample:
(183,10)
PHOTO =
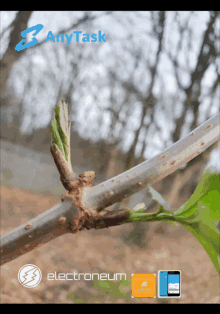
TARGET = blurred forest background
(153,81)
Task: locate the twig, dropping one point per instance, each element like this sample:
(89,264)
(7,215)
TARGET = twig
(60,145)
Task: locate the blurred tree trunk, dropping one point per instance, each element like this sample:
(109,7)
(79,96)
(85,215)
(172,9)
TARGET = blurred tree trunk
(9,58)
(11,55)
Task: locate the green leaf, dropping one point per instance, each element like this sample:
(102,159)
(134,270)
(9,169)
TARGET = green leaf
(201,213)
(55,135)
(61,130)
(204,185)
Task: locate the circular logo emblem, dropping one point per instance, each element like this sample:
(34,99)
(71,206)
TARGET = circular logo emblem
(29,275)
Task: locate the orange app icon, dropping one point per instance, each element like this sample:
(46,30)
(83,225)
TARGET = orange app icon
(143,285)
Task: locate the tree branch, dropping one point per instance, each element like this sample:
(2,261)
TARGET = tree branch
(64,217)
(157,168)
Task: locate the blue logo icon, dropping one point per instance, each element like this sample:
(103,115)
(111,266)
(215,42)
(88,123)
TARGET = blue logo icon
(37,28)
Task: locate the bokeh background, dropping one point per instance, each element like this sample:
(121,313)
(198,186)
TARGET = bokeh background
(154,80)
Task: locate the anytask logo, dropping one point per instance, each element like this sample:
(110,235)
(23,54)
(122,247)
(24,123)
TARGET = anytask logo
(37,28)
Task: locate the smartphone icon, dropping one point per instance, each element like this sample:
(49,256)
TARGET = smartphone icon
(163,283)
(173,284)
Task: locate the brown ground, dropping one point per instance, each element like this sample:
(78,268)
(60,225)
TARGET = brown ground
(101,251)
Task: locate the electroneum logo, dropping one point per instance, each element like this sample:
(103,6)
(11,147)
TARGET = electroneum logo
(29,276)
(77,35)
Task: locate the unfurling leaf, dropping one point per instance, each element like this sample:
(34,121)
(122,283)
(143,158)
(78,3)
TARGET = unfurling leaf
(61,131)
